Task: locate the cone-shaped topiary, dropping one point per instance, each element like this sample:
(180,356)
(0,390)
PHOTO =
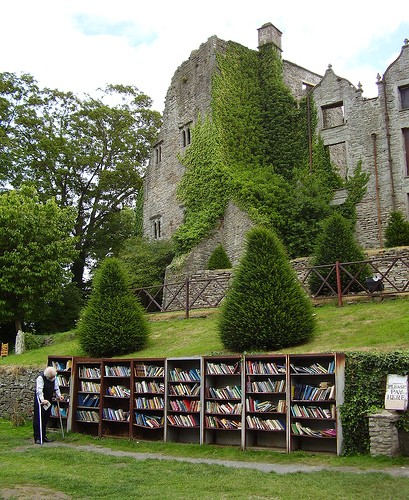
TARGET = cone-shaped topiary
(265,308)
(337,243)
(397,231)
(113,321)
(219,259)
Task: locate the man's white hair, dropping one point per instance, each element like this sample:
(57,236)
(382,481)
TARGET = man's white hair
(50,372)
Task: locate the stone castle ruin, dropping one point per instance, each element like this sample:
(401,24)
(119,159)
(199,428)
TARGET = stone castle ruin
(352,127)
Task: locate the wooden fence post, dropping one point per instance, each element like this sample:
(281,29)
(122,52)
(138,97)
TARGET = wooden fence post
(187,297)
(339,287)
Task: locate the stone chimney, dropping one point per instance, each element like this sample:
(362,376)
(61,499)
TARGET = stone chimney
(268,33)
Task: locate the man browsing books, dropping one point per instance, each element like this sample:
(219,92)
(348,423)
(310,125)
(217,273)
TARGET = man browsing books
(46,385)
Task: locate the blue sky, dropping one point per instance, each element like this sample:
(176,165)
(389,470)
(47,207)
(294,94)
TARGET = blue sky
(82,45)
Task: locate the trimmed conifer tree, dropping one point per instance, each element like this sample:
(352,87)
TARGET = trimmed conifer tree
(337,243)
(265,308)
(113,322)
(397,231)
(219,259)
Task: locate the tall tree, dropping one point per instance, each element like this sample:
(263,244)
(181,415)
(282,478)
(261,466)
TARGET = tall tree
(89,153)
(35,251)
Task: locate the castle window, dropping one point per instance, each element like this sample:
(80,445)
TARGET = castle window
(183,138)
(156,228)
(188,135)
(158,154)
(333,115)
(185,130)
(338,157)
(405,133)
(404,97)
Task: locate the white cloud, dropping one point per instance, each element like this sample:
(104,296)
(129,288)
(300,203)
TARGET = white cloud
(83,45)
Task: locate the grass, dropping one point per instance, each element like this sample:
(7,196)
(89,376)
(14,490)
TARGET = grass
(361,326)
(82,474)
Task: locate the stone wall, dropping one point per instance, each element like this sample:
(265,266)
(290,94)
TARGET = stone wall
(17,387)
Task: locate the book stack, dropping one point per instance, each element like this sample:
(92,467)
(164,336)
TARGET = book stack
(87,372)
(325,391)
(184,390)
(183,420)
(149,403)
(268,385)
(212,422)
(142,370)
(222,369)
(228,392)
(117,371)
(116,414)
(224,408)
(149,421)
(261,368)
(313,411)
(150,387)
(118,391)
(89,400)
(264,424)
(90,386)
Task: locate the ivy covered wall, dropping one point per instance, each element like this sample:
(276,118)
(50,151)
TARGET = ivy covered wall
(254,149)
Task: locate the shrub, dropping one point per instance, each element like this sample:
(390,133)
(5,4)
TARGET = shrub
(113,321)
(219,259)
(265,307)
(397,231)
(337,243)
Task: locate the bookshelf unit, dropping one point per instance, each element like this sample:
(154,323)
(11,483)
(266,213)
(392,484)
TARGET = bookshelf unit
(148,398)
(63,365)
(266,401)
(115,398)
(316,384)
(222,416)
(183,400)
(87,396)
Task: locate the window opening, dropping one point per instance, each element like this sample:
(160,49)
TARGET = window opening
(338,157)
(404,97)
(333,115)
(405,133)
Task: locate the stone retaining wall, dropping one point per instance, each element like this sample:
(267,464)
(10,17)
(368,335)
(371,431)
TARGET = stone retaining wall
(17,386)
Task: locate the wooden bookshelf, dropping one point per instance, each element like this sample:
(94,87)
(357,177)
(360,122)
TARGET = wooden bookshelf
(183,400)
(148,398)
(63,365)
(86,401)
(316,384)
(266,401)
(223,401)
(116,398)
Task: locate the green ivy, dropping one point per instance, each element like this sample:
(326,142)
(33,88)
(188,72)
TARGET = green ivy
(365,376)
(255,151)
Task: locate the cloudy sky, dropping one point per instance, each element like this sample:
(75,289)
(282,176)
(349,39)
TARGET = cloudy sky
(82,45)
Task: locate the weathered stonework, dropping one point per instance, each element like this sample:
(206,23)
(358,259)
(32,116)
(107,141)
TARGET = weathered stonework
(383,433)
(353,128)
(17,386)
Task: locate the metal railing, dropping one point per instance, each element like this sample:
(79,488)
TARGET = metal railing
(382,276)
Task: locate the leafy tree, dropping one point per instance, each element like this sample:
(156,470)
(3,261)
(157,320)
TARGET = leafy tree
(113,322)
(397,231)
(83,151)
(337,243)
(35,251)
(265,308)
(219,259)
(146,260)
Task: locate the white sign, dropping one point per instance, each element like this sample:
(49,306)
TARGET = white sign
(396,396)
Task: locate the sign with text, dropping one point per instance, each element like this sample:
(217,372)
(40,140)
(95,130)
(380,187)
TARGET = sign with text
(396,396)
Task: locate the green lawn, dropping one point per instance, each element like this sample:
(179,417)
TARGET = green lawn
(362,326)
(84,474)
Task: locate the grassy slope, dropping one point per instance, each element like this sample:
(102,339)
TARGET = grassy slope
(376,326)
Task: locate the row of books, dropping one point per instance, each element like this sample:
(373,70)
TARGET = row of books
(88,372)
(224,408)
(179,375)
(222,369)
(118,391)
(183,420)
(63,381)
(90,400)
(62,366)
(221,423)
(313,411)
(151,387)
(264,424)
(117,371)
(184,390)
(88,416)
(310,393)
(266,386)
(55,413)
(261,368)
(314,369)
(149,403)
(228,392)
(90,386)
(185,405)
(150,421)
(66,398)
(255,405)
(142,370)
(300,430)
(115,414)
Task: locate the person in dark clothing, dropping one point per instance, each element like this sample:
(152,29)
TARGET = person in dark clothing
(46,385)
